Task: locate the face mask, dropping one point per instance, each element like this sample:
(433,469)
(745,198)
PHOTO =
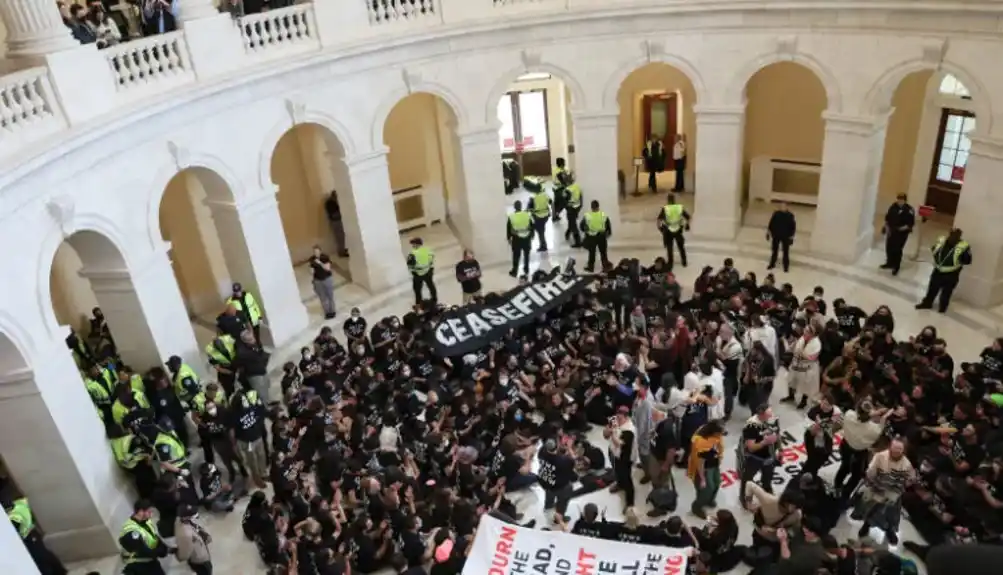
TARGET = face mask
(308,356)
(211,411)
(360,350)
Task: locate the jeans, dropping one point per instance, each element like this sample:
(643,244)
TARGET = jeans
(730,391)
(325,293)
(708,493)
(852,463)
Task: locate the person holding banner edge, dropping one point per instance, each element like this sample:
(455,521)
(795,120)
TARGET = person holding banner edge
(597,230)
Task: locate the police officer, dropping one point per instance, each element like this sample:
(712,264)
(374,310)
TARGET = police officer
(541,213)
(19,513)
(519,232)
(185,380)
(672,218)
(213,396)
(950,255)
(421,263)
(222,351)
(140,542)
(559,185)
(100,383)
(133,457)
(899,221)
(597,230)
(247,307)
(573,194)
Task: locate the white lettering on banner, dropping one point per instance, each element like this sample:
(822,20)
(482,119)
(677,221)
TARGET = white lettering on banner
(503,549)
(496,319)
(549,290)
(522,303)
(531,294)
(509,312)
(443,335)
(458,329)
(477,324)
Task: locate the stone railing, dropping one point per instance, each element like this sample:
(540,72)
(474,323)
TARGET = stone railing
(89,84)
(280,31)
(28,108)
(158,61)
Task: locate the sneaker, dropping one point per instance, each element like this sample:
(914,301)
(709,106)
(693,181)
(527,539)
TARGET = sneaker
(788,399)
(885,266)
(512,273)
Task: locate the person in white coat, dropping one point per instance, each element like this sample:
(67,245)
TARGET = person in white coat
(761,330)
(193,541)
(804,375)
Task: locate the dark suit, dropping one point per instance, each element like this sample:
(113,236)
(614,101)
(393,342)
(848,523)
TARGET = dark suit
(782,228)
(654,162)
(896,218)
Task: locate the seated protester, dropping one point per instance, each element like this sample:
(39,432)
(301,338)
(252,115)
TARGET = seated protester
(817,499)
(256,516)
(824,419)
(771,514)
(673,532)
(589,458)
(590,524)
(516,466)
(216,495)
(631,530)
(719,538)
(371,545)
(801,550)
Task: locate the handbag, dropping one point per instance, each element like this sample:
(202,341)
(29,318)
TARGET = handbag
(665,498)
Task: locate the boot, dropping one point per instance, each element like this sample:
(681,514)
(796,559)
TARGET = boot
(803,403)
(789,398)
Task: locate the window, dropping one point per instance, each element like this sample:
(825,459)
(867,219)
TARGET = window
(523,118)
(951,86)
(506,115)
(953,146)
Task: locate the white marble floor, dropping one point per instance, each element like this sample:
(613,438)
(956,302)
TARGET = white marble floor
(966,330)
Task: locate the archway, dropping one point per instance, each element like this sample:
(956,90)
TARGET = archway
(198,217)
(315,199)
(535,133)
(656,101)
(783,141)
(88,272)
(424,161)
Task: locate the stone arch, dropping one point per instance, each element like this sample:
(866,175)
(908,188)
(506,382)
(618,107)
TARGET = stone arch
(280,129)
(205,164)
(612,88)
(93,237)
(506,79)
(834,96)
(879,96)
(16,345)
(388,104)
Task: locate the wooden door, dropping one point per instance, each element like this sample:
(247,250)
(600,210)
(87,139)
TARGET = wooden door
(659,117)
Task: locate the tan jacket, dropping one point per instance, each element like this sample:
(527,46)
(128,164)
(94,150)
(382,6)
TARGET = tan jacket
(191,547)
(769,506)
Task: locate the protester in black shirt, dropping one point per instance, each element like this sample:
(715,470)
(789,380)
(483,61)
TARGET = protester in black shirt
(557,475)
(468,273)
(323,281)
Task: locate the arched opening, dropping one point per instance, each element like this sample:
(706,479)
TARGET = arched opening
(314,198)
(656,113)
(198,217)
(535,136)
(425,164)
(783,141)
(92,292)
(943,119)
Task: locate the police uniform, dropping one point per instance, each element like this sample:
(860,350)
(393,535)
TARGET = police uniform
(540,206)
(141,547)
(248,308)
(898,216)
(560,184)
(597,230)
(573,195)
(222,352)
(21,517)
(672,219)
(948,260)
(421,263)
(519,232)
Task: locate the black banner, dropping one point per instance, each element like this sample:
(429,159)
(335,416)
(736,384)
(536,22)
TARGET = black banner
(469,328)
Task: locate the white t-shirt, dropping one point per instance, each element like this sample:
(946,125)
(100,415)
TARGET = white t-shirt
(679,150)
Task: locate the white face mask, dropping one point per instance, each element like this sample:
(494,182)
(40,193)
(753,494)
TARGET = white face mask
(360,350)
(211,411)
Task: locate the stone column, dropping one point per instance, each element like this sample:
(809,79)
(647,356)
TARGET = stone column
(34,29)
(65,467)
(848,186)
(377,260)
(595,159)
(720,141)
(15,558)
(482,203)
(980,209)
(145,311)
(254,245)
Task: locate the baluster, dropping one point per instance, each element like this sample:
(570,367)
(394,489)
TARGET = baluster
(283,30)
(6,115)
(267,34)
(245,33)
(145,68)
(33,90)
(301,26)
(22,107)
(173,59)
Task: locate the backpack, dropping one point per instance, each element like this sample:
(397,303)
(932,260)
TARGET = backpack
(665,498)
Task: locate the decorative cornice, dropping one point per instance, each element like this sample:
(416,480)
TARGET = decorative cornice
(787,47)
(986,147)
(376,159)
(709,114)
(479,134)
(857,125)
(585,119)
(652,50)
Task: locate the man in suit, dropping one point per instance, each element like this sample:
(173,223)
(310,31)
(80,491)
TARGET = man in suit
(899,221)
(654,161)
(781,232)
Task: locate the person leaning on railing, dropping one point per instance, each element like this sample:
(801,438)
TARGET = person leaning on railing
(104,28)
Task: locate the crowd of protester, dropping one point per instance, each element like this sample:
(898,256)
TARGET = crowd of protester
(383,455)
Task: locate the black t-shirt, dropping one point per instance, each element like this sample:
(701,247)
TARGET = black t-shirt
(556,470)
(317,267)
(757,431)
(413,548)
(666,438)
(468,273)
(355,327)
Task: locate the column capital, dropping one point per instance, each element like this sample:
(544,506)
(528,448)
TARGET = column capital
(34,29)
(368,160)
(480,135)
(855,125)
(595,118)
(986,146)
(709,114)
